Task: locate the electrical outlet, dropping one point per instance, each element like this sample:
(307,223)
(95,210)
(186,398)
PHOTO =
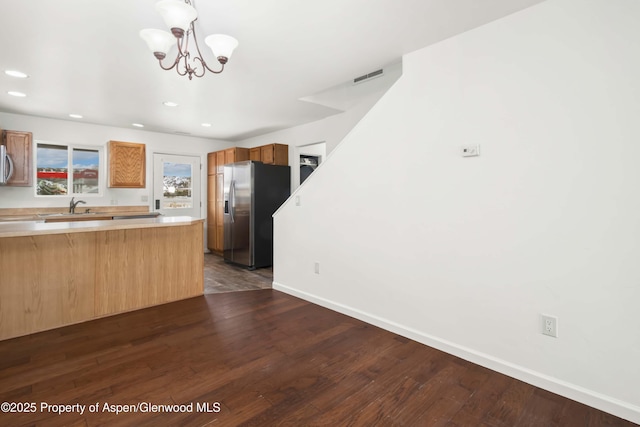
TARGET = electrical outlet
(114,202)
(297,200)
(550,325)
(316,268)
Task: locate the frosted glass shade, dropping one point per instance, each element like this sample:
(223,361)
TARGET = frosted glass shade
(158,40)
(221,45)
(176,13)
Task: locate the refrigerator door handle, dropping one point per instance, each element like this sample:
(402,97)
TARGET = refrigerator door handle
(232,199)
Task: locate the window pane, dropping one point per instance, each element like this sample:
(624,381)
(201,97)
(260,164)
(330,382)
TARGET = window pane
(52,168)
(176,179)
(85,170)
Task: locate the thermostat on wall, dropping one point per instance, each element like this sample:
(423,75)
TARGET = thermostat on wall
(470,150)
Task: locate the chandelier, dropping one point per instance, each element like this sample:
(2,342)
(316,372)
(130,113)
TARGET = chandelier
(180,18)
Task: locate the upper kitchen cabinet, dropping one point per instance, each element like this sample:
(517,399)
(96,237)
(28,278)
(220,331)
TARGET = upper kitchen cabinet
(254,154)
(235,154)
(271,154)
(127,165)
(19,149)
(211,164)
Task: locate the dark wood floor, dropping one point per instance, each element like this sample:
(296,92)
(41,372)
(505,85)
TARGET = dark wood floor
(220,276)
(263,358)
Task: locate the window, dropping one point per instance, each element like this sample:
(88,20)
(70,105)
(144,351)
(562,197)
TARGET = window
(176,186)
(52,170)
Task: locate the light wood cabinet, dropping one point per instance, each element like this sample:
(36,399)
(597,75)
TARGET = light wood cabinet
(52,280)
(219,161)
(215,193)
(19,149)
(127,165)
(211,163)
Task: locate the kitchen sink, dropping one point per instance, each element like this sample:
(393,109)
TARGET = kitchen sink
(48,215)
(17,218)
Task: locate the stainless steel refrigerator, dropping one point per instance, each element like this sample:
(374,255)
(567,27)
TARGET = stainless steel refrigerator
(253,191)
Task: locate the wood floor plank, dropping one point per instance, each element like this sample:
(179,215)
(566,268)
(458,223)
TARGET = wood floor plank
(266,359)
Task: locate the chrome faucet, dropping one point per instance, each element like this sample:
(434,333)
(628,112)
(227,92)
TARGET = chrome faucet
(72,205)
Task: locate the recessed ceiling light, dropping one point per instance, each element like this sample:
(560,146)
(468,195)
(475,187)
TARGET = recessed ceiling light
(170,104)
(75,116)
(138,125)
(14,93)
(206,125)
(16,73)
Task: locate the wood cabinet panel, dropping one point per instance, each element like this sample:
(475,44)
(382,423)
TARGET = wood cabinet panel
(271,154)
(229,155)
(220,237)
(219,161)
(211,235)
(281,154)
(148,266)
(47,281)
(127,165)
(267,155)
(19,149)
(211,188)
(54,280)
(241,154)
(211,163)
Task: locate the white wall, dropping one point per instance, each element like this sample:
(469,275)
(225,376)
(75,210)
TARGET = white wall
(331,130)
(464,254)
(68,132)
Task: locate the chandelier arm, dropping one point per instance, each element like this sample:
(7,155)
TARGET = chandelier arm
(213,71)
(196,68)
(168,68)
(200,57)
(195,41)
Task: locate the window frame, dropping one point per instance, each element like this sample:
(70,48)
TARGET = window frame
(102,181)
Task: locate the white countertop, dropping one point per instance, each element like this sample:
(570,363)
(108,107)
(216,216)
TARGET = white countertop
(35,228)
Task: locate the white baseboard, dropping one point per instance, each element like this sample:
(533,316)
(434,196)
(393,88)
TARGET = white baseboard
(591,398)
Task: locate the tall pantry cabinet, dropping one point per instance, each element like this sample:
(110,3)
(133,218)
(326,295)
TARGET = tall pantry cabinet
(215,193)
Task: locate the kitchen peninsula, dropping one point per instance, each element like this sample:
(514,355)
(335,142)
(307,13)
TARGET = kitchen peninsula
(60,273)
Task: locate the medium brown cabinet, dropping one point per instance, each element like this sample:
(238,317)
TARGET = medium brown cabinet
(271,154)
(19,149)
(127,165)
(254,154)
(215,193)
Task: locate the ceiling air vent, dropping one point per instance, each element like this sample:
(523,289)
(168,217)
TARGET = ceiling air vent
(366,77)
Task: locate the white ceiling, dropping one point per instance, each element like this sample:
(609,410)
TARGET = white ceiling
(85,57)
